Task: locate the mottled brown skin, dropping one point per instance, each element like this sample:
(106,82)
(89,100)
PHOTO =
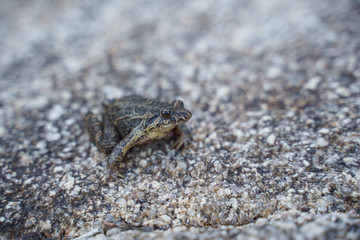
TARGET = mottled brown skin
(135,120)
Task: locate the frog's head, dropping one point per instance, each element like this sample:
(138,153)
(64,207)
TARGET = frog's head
(175,113)
(168,117)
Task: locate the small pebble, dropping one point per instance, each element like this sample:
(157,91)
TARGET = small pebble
(343,92)
(320,142)
(350,161)
(56,112)
(271,139)
(312,83)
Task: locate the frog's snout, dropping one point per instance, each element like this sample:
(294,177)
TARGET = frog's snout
(184,116)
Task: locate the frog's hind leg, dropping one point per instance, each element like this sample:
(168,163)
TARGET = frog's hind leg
(102,133)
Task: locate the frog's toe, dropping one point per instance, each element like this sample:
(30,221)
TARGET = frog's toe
(177,145)
(115,174)
(181,142)
(115,171)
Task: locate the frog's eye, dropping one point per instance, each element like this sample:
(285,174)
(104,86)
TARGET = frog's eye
(177,103)
(166,113)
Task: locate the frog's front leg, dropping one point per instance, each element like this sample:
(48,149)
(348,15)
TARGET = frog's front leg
(183,136)
(103,134)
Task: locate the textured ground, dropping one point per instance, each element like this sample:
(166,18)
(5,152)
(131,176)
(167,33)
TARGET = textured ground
(273,87)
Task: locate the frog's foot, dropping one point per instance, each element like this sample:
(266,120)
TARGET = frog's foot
(115,174)
(184,137)
(180,142)
(114,162)
(115,170)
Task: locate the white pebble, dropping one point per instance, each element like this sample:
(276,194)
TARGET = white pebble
(52,193)
(112,92)
(53,136)
(75,191)
(324,131)
(156,184)
(312,83)
(69,184)
(182,165)
(37,103)
(166,218)
(239,134)
(56,112)
(70,121)
(306,163)
(223,92)
(58,169)
(343,92)
(143,163)
(41,145)
(271,139)
(273,72)
(320,142)
(350,161)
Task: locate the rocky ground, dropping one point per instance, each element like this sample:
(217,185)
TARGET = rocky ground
(273,87)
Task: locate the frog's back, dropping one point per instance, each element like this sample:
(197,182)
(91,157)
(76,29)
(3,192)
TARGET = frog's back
(127,112)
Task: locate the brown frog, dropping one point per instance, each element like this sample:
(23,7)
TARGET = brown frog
(135,120)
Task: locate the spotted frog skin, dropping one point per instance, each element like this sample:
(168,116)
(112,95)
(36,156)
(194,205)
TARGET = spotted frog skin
(135,120)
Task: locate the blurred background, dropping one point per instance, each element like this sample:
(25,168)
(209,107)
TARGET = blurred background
(166,48)
(237,50)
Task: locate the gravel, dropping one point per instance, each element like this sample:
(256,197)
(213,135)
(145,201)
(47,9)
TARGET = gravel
(273,87)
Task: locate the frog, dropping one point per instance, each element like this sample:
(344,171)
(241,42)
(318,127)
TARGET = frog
(135,120)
